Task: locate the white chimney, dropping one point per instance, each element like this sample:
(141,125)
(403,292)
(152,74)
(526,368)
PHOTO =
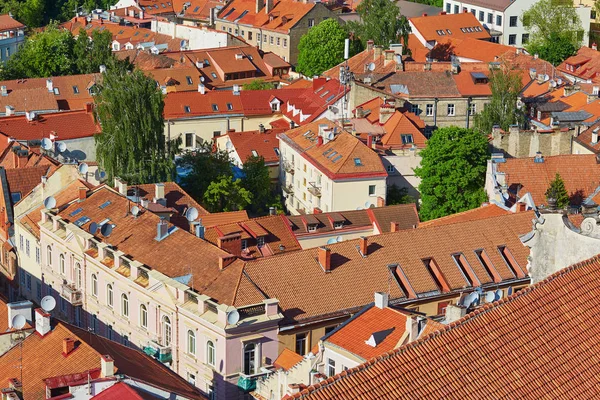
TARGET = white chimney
(102,69)
(381,300)
(19,308)
(454,313)
(121,186)
(3,91)
(159,194)
(10,110)
(42,322)
(199,64)
(49,85)
(236,89)
(141,15)
(107,366)
(201,88)
(595,135)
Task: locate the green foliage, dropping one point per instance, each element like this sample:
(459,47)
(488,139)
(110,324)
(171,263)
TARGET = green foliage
(321,48)
(132,145)
(397,195)
(452,172)
(555,30)
(557,191)
(435,3)
(258,84)
(90,55)
(226,194)
(258,182)
(205,167)
(381,22)
(502,109)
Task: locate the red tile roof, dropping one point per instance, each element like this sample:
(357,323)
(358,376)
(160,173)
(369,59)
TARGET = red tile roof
(353,336)
(443,26)
(284,15)
(118,391)
(7,22)
(469,48)
(66,125)
(401,124)
(22,180)
(34,99)
(485,211)
(287,359)
(580,173)
(519,346)
(584,65)
(245,143)
(585,138)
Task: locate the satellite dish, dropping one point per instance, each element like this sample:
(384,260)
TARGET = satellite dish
(46,144)
(61,147)
(135,211)
(106,229)
(498,295)
(49,202)
(371,67)
(367,204)
(331,241)
(472,299)
(100,175)
(83,168)
(330,136)
(339,239)
(229,146)
(490,296)
(48,303)
(191,214)
(553,83)
(233,317)
(18,321)
(93,228)
(201,79)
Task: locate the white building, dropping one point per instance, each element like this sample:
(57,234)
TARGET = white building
(503,18)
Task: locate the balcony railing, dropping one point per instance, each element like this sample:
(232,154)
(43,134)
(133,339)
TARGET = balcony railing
(314,189)
(289,189)
(288,167)
(70,293)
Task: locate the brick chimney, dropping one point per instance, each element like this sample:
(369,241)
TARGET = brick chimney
(20,156)
(386,110)
(377,52)
(82,193)
(68,346)
(363,244)
(325,258)
(394,227)
(107,366)
(389,56)
(225,261)
(231,243)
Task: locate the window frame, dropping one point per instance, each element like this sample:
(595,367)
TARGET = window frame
(109,296)
(143,318)
(124,305)
(191,343)
(211,353)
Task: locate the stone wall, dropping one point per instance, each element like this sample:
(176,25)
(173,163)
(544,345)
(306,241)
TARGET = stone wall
(520,144)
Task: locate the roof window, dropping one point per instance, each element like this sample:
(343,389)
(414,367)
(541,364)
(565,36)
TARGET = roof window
(196,9)
(333,153)
(75,90)
(75,212)
(104,205)
(215,107)
(186,109)
(327,151)
(189,80)
(213,75)
(82,221)
(276,150)
(229,106)
(336,158)
(358,162)
(330,98)
(254,153)
(324,93)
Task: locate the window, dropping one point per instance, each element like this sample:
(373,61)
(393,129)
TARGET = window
(593,14)
(512,22)
(29,282)
(249,35)
(472,109)
(191,342)
(329,329)
(448,7)
(56,91)
(191,378)
(512,39)
(490,19)
(244,244)
(301,343)
(390,168)
(481,16)
(189,140)
(271,39)
(330,367)
(258,37)
(284,42)
(189,80)
(213,75)
(109,332)
(473,11)
(243,33)
(414,108)
(210,353)
(94,285)
(22,278)
(124,305)
(61,262)
(265,38)
(94,323)
(143,316)
(166,331)
(21,242)
(216,133)
(499,20)
(38,287)
(525,38)
(125,340)
(250,359)
(311,22)
(27,247)
(260,241)
(278,41)
(215,107)
(236,32)
(186,109)
(37,255)
(407,138)
(78,282)
(451,110)
(429,110)
(109,296)
(456,9)
(371,190)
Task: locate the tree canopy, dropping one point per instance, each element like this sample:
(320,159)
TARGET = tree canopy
(452,172)
(258,182)
(132,145)
(227,194)
(557,191)
(36,13)
(90,55)
(381,22)
(205,166)
(258,84)
(398,195)
(555,30)
(321,48)
(502,109)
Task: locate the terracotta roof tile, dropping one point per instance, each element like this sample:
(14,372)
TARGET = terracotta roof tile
(287,359)
(67,125)
(213,219)
(35,99)
(475,357)
(460,26)
(400,124)
(468,48)
(7,22)
(264,144)
(585,64)
(486,211)
(22,180)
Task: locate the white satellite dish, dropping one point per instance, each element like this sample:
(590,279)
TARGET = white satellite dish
(46,144)
(201,79)
(93,228)
(83,168)
(106,229)
(49,202)
(18,321)
(100,175)
(371,67)
(339,239)
(191,214)
(135,211)
(233,317)
(498,295)
(490,296)
(229,146)
(472,299)
(367,204)
(48,303)
(330,136)
(61,147)
(331,241)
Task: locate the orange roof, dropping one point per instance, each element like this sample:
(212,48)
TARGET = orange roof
(263,144)
(22,180)
(387,326)
(7,22)
(287,359)
(585,64)
(284,15)
(66,125)
(468,48)
(430,327)
(585,138)
(213,219)
(579,171)
(519,346)
(485,211)
(443,26)
(34,99)
(398,125)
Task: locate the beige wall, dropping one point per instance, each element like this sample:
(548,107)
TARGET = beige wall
(579,149)
(312,241)
(522,144)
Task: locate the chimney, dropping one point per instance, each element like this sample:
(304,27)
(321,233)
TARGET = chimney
(269,6)
(199,64)
(49,85)
(521,207)
(369,141)
(594,46)
(162,229)
(454,313)
(261,128)
(30,115)
(89,107)
(68,346)
(259,5)
(325,258)
(377,52)
(3,91)
(386,110)
(514,129)
(82,193)
(272,211)
(211,16)
(381,300)
(595,135)
(319,141)
(42,322)
(159,194)
(201,88)
(370,45)
(20,156)
(363,245)
(424,14)
(107,366)
(10,110)
(121,186)
(394,227)
(225,261)
(389,56)
(231,244)
(539,158)
(199,229)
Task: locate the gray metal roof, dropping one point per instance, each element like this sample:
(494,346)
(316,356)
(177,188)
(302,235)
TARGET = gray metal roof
(571,116)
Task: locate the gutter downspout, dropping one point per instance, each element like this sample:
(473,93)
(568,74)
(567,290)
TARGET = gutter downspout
(435,107)
(469,100)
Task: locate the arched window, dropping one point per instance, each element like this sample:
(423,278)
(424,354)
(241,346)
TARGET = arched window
(49,255)
(94,285)
(109,296)
(166,331)
(124,305)
(191,343)
(61,262)
(250,359)
(143,316)
(210,353)
(78,282)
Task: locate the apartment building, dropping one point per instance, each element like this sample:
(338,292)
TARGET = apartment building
(270,25)
(434,29)
(327,169)
(12,36)
(502,18)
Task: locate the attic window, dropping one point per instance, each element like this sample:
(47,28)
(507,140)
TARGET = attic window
(407,139)
(330,98)
(479,78)
(336,158)
(206,62)
(338,225)
(306,133)
(358,162)
(121,31)
(312,227)
(276,150)
(213,75)
(186,109)
(189,80)
(196,9)
(333,153)
(324,93)
(449,31)
(463,30)
(15,197)
(215,107)
(327,151)
(56,91)
(75,90)
(137,33)
(229,106)
(104,205)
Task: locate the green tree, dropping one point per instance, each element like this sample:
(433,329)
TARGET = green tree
(381,22)
(205,167)
(502,109)
(226,194)
(398,195)
(555,29)
(89,55)
(31,13)
(132,145)
(321,48)
(557,191)
(452,172)
(258,182)
(258,84)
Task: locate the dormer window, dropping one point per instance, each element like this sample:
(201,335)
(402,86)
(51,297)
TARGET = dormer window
(312,228)
(244,244)
(338,225)
(260,241)
(215,107)
(186,109)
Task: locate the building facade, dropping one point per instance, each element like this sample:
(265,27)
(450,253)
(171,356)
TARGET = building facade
(12,36)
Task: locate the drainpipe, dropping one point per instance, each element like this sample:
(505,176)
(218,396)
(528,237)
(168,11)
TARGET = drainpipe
(435,107)
(177,339)
(469,100)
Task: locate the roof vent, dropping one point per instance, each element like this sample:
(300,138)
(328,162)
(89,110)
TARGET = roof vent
(539,158)
(239,56)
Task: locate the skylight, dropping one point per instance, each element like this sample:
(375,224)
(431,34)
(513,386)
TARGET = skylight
(333,153)
(189,80)
(215,107)
(307,133)
(358,162)
(213,75)
(75,212)
(327,151)
(336,158)
(186,109)
(82,221)
(325,93)
(104,205)
(254,153)
(229,106)
(330,98)
(196,9)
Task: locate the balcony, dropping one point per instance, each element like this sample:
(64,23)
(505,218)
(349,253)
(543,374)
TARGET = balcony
(314,189)
(289,189)
(70,293)
(161,353)
(288,167)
